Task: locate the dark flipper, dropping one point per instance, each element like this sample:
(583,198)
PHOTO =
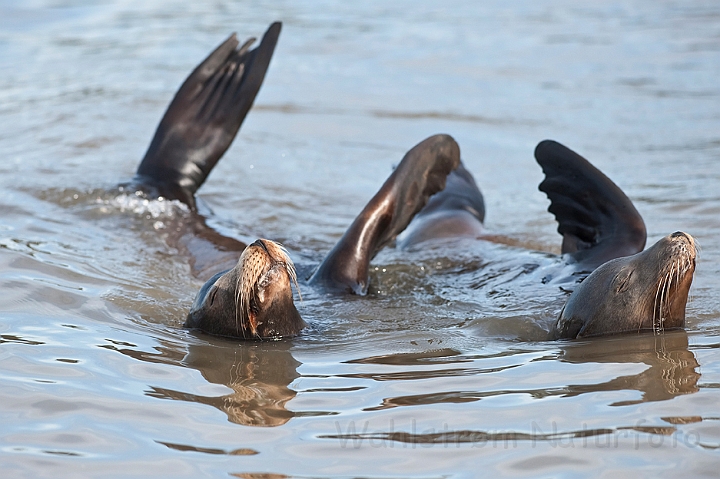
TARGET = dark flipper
(597,221)
(204,117)
(420,174)
(456,211)
(460,193)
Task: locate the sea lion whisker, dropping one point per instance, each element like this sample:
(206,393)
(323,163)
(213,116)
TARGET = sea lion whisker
(238,305)
(664,300)
(669,296)
(657,307)
(662,292)
(668,291)
(289,267)
(661,304)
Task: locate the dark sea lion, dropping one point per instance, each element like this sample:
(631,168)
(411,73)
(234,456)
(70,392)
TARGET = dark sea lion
(422,172)
(644,291)
(252,296)
(617,286)
(254,299)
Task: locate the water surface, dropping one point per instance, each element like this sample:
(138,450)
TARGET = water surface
(424,377)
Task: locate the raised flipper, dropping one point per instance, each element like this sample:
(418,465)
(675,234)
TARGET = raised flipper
(204,117)
(456,211)
(597,221)
(420,174)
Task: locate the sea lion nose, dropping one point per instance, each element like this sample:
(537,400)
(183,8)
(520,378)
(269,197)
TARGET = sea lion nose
(678,234)
(261,244)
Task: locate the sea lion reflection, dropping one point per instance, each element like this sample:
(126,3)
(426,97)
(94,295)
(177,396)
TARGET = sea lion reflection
(672,367)
(258,374)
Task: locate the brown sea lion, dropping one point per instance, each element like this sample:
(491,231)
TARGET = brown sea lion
(252,297)
(616,286)
(644,291)
(195,131)
(631,289)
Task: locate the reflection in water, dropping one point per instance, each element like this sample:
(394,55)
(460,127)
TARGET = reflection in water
(209,450)
(84,84)
(12,338)
(258,374)
(671,372)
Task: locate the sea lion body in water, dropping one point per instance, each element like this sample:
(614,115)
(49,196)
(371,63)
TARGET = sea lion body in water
(197,128)
(616,286)
(219,307)
(253,299)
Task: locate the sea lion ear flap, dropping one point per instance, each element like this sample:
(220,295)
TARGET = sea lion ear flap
(205,115)
(597,220)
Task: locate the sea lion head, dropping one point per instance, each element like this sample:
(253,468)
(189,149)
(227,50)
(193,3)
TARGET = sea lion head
(645,291)
(251,301)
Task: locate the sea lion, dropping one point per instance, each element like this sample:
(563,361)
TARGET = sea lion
(644,291)
(631,289)
(197,128)
(616,286)
(252,297)
(422,172)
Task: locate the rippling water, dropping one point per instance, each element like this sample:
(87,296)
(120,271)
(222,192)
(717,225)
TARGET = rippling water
(423,378)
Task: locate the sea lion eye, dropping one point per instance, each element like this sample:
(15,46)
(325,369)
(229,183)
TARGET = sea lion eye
(212,296)
(622,281)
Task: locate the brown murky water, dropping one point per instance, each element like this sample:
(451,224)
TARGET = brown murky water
(422,378)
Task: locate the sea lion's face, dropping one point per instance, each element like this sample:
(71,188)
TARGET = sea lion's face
(645,291)
(253,300)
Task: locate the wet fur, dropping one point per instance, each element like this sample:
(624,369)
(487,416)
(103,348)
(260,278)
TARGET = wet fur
(254,300)
(597,221)
(646,291)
